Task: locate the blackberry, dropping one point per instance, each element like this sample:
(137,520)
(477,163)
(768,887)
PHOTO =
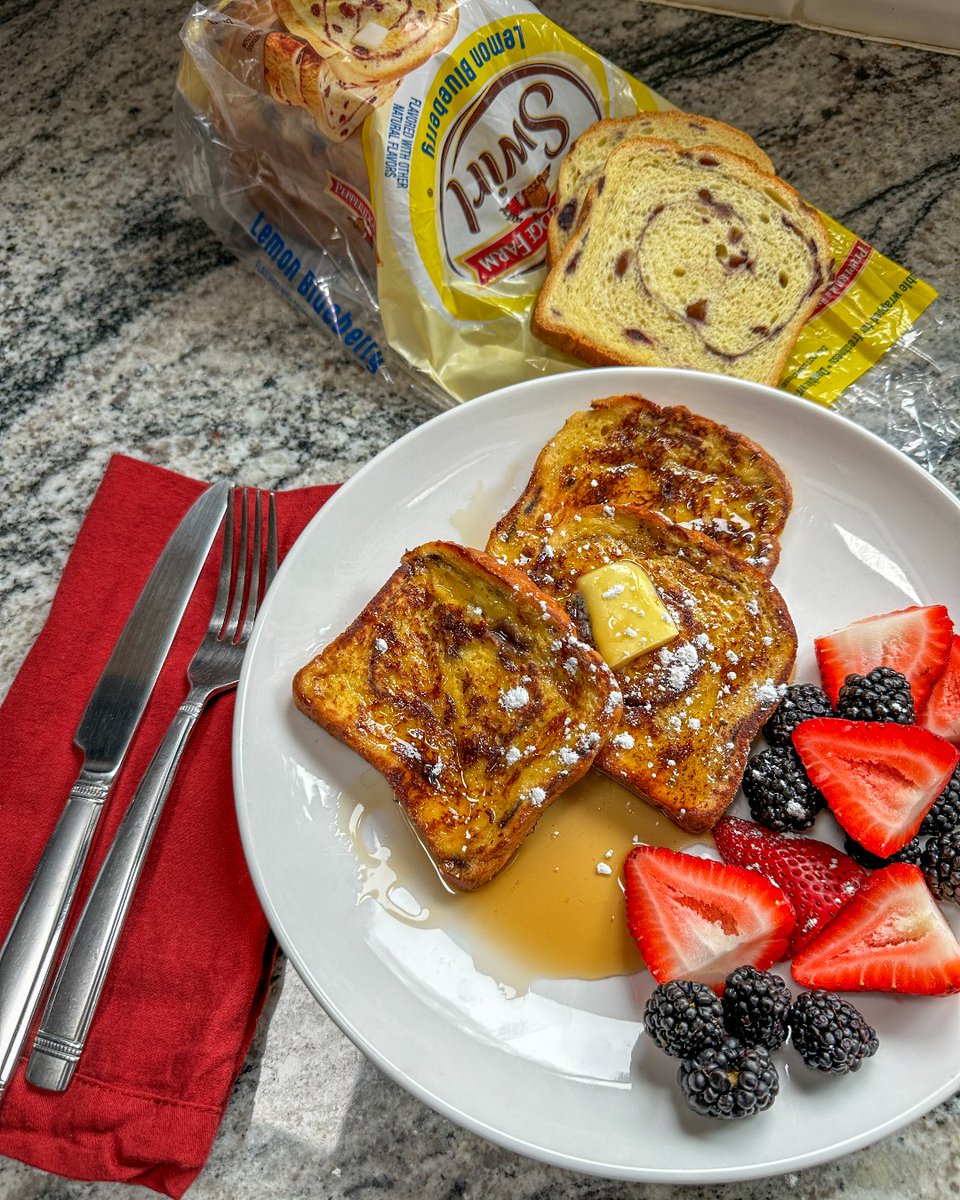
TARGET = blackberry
(756,1005)
(682,1017)
(940,863)
(729,1080)
(910,853)
(829,1034)
(779,792)
(945,814)
(801,702)
(881,695)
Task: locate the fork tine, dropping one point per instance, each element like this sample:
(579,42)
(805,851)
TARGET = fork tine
(253,601)
(240,577)
(226,569)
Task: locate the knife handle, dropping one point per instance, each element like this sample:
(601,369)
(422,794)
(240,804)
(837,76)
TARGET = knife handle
(30,947)
(83,970)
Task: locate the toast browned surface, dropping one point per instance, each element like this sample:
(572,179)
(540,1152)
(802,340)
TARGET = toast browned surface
(691,708)
(472,693)
(627,450)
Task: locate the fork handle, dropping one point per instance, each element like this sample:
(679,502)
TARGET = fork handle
(76,990)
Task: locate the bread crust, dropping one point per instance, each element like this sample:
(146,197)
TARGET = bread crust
(469,689)
(548,322)
(627,450)
(691,709)
(684,129)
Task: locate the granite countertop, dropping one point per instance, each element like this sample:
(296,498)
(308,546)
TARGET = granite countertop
(125,327)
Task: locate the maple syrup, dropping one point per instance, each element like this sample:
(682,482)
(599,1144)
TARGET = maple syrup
(556,912)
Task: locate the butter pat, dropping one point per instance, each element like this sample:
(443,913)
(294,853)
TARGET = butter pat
(627,616)
(372,35)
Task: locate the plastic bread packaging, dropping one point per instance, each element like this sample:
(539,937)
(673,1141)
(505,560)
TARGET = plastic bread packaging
(390,171)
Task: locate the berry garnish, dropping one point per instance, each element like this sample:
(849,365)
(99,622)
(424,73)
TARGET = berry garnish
(694,918)
(873,862)
(940,863)
(941,713)
(729,1081)
(801,702)
(829,1034)
(945,814)
(817,879)
(914,641)
(682,1017)
(883,694)
(880,779)
(779,791)
(755,1007)
(891,937)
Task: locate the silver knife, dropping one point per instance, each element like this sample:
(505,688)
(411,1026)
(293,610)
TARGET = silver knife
(104,735)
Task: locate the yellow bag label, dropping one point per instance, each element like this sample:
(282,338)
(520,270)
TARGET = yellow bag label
(868,306)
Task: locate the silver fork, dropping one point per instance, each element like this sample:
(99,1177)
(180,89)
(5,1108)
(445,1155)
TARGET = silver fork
(215,669)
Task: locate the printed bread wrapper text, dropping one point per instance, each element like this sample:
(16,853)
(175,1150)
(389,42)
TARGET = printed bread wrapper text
(391,172)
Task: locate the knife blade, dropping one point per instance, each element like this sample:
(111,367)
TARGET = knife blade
(104,734)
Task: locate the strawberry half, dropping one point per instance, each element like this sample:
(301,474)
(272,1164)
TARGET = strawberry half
(695,918)
(817,879)
(941,713)
(879,778)
(914,641)
(891,937)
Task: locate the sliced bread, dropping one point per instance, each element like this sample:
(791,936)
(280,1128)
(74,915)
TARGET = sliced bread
(585,159)
(686,258)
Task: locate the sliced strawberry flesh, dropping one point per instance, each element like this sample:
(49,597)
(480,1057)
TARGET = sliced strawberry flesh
(890,937)
(941,714)
(879,778)
(694,918)
(915,641)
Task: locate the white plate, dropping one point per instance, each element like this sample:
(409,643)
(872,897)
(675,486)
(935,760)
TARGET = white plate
(561,1072)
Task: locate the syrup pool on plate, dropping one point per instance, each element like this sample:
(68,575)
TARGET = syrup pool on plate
(556,912)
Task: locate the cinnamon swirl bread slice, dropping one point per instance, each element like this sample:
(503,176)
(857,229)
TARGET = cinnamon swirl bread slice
(585,159)
(687,258)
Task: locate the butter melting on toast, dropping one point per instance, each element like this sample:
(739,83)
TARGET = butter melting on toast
(471,691)
(692,707)
(627,450)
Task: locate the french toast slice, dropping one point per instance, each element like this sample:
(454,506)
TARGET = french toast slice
(471,692)
(691,708)
(627,450)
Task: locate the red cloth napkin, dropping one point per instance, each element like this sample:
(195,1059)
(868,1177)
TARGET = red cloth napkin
(190,975)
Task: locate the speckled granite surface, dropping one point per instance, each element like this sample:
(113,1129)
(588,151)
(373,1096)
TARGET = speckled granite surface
(124,326)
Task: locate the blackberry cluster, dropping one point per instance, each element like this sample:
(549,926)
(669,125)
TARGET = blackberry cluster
(829,1034)
(945,814)
(682,1017)
(801,702)
(729,1080)
(940,863)
(756,1006)
(779,792)
(725,1046)
(910,853)
(881,695)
